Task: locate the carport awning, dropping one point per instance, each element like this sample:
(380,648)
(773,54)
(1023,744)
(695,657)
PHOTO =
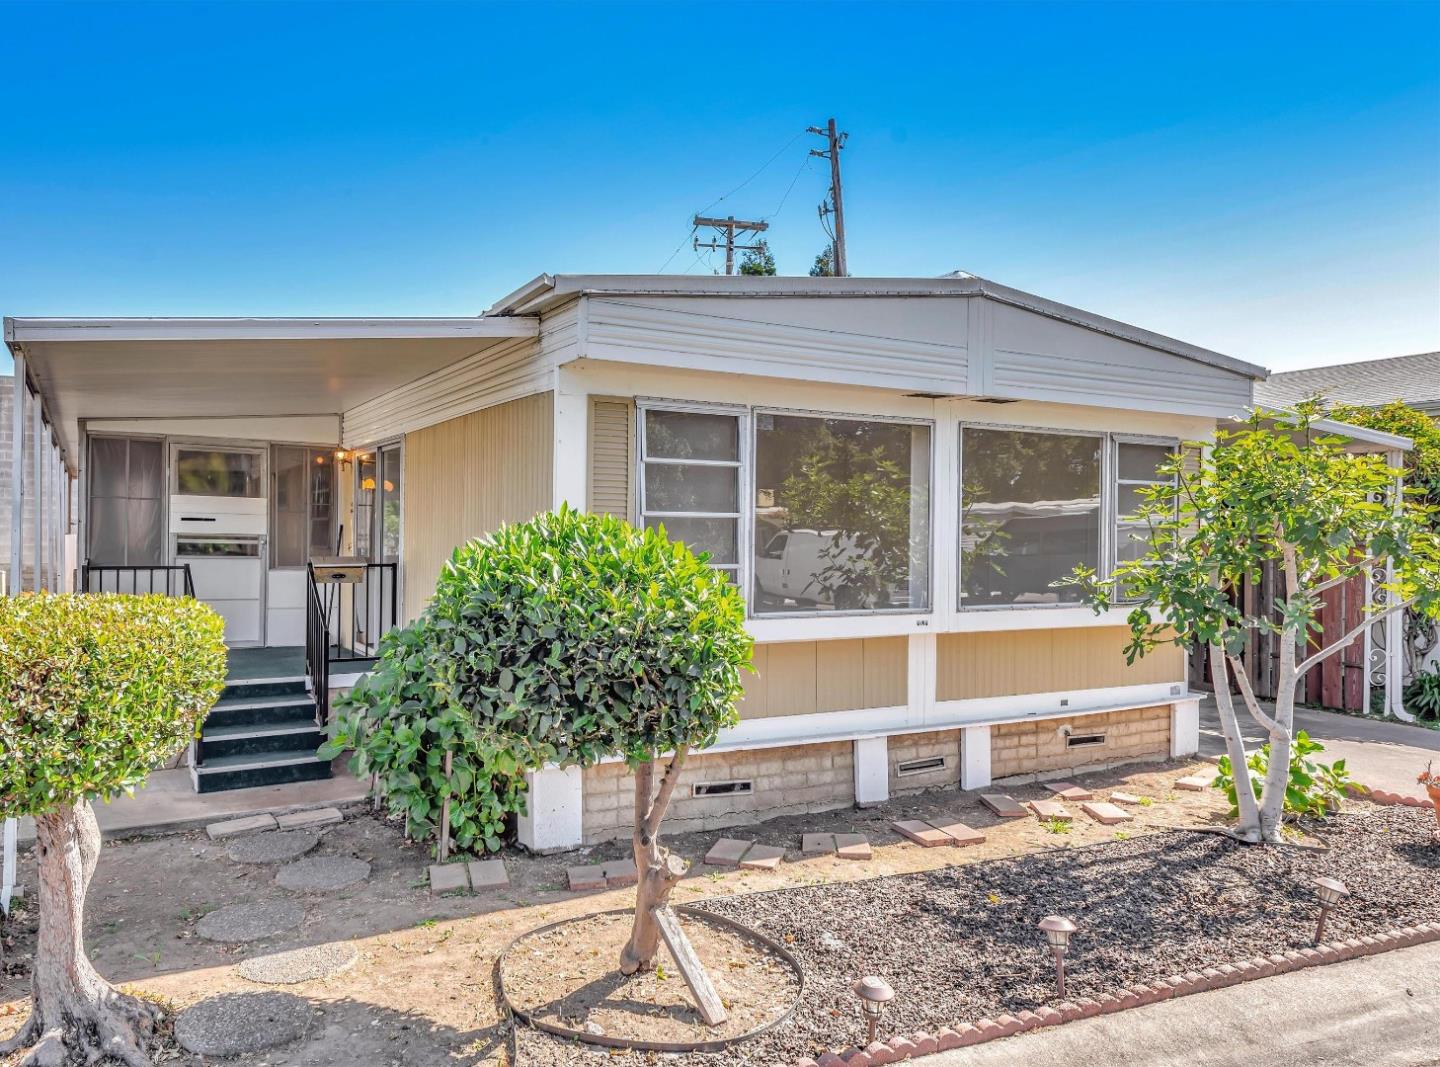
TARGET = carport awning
(188,368)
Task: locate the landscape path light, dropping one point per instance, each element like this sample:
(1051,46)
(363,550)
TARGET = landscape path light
(875,994)
(1057,930)
(1332,891)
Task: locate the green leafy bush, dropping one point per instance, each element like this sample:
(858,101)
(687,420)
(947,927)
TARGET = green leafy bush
(562,640)
(98,690)
(1314,788)
(1422,696)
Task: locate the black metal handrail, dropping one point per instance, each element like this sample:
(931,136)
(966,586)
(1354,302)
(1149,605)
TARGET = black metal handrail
(344,624)
(173,580)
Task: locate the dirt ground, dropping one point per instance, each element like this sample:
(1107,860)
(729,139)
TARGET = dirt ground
(421,994)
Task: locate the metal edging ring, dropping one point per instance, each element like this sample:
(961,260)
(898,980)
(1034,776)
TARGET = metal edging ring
(638,1044)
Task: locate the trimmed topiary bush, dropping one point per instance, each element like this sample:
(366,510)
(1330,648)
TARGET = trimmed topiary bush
(563,640)
(97,690)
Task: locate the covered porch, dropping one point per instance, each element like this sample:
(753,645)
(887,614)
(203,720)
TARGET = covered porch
(203,457)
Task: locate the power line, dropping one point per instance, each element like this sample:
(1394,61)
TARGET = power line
(683,242)
(757,174)
(728,227)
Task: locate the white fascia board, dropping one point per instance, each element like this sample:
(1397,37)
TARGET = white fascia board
(29,330)
(546,289)
(1364,433)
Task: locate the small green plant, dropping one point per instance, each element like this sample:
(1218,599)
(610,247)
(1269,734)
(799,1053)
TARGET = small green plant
(1314,788)
(1145,802)
(1056,826)
(1422,696)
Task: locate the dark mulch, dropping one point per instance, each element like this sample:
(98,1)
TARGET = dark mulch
(961,943)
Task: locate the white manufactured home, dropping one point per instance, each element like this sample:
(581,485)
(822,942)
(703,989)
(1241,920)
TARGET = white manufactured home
(894,470)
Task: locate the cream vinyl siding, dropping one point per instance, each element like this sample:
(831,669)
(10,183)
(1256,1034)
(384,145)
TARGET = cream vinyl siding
(612,456)
(465,477)
(804,677)
(1016,662)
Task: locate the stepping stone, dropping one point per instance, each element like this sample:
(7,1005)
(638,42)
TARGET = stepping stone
(253,824)
(621,873)
(276,846)
(239,1023)
(763,858)
(818,844)
(1046,810)
(250,922)
(322,874)
(1003,806)
(447,878)
(1105,814)
(1194,783)
(727,852)
(488,874)
(852,847)
(299,965)
(961,835)
(922,833)
(1125,798)
(1069,791)
(309,820)
(584,878)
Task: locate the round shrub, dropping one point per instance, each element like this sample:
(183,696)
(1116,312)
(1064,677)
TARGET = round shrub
(98,690)
(566,639)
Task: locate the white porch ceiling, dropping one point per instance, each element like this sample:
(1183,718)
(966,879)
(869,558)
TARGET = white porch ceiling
(187,368)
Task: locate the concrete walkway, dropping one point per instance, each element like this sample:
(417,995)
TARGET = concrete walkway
(1381,755)
(1378,1011)
(168,802)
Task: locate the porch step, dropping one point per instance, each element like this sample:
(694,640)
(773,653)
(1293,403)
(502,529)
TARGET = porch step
(296,730)
(262,711)
(243,689)
(246,770)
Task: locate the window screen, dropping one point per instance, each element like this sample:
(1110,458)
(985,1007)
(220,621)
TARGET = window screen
(1029,513)
(125,519)
(690,481)
(842,514)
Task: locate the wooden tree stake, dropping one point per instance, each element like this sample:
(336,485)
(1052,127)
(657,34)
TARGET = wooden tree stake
(707,1000)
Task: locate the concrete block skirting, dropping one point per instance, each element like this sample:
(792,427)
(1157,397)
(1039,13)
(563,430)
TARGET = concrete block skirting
(962,1035)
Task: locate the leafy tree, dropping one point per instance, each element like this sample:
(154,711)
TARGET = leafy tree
(97,690)
(1276,492)
(1422,462)
(759,260)
(566,640)
(824,266)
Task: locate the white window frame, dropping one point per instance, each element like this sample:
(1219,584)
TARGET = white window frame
(1105,544)
(741,464)
(749,507)
(1171,444)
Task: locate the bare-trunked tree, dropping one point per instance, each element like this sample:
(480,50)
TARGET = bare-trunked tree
(96,691)
(564,641)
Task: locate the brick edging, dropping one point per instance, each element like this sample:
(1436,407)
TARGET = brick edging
(963,1035)
(1387,799)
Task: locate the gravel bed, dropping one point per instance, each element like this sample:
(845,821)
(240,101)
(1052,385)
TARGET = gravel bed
(961,943)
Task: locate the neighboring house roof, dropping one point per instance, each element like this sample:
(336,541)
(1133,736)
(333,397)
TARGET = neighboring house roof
(1412,379)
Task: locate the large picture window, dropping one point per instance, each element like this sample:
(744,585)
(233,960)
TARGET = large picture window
(690,480)
(1030,511)
(842,515)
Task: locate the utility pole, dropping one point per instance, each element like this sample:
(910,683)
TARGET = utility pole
(729,227)
(835,204)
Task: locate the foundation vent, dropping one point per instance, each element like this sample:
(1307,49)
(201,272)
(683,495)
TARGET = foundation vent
(1084,740)
(723,789)
(905,768)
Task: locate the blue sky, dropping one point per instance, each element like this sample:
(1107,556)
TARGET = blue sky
(1263,180)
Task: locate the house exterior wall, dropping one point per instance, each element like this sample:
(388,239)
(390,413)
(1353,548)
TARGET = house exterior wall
(786,781)
(1016,662)
(466,476)
(804,677)
(1035,748)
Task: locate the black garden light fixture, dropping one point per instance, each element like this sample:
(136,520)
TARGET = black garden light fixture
(1057,930)
(875,995)
(1332,891)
